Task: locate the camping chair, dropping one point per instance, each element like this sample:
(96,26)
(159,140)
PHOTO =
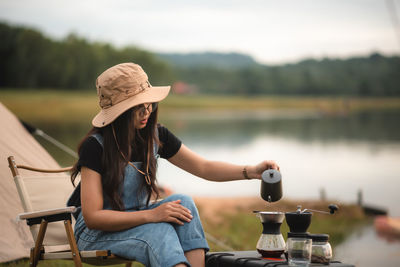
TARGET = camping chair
(43,196)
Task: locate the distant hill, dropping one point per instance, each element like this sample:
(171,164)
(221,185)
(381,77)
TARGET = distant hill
(209,59)
(373,75)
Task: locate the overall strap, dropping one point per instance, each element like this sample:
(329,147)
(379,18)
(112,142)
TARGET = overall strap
(145,174)
(99,138)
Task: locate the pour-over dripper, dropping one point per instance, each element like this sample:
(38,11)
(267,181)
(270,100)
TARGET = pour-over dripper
(271,243)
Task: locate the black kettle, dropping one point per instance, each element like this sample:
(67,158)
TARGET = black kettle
(271,185)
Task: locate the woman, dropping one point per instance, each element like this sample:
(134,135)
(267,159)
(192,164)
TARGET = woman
(118,163)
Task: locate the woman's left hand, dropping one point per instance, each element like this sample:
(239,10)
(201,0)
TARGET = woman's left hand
(258,169)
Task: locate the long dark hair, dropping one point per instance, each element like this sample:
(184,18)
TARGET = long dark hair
(118,149)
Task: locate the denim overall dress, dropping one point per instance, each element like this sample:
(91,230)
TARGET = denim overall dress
(152,244)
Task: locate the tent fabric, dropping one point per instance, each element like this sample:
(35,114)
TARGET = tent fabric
(47,192)
(15,237)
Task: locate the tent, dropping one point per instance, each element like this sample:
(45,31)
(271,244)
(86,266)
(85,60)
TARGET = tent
(15,237)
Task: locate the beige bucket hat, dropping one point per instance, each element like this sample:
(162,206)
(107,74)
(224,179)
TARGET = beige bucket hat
(122,87)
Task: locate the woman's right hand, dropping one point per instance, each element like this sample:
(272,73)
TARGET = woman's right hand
(172,212)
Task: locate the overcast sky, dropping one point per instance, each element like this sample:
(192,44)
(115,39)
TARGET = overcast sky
(270,31)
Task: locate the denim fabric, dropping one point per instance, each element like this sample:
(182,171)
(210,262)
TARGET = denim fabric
(153,244)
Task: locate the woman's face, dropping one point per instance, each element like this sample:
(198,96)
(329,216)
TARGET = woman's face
(142,114)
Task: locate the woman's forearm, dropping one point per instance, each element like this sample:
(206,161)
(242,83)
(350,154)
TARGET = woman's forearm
(217,170)
(112,220)
(223,171)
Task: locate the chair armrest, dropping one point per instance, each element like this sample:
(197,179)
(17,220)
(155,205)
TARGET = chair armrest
(50,215)
(41,213)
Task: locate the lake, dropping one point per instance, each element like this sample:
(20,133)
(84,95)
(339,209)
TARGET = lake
(335,155)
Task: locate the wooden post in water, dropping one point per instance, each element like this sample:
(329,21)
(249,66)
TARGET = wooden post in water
(359,197)
(322,194)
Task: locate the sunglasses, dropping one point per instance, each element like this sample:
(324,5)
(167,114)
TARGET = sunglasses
(144,108)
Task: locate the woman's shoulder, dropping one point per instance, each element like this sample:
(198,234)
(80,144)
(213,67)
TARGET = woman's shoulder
(90,154)
(92,144)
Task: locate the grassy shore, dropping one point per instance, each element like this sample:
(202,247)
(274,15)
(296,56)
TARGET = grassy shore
(73,106)
(232,221)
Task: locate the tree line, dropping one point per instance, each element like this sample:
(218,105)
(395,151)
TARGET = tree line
(31,60)
(375,75)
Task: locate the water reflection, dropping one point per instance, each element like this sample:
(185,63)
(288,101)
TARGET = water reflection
(232,127)
(364,248)
(241,127)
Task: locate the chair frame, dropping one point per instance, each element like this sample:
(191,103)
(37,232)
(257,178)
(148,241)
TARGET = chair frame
(37,253)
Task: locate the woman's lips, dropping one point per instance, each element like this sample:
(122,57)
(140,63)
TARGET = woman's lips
(143,121)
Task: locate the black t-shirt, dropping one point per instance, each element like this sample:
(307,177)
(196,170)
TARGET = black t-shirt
(91,150)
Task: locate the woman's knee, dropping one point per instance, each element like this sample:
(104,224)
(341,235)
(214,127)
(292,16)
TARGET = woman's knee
(186,201)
